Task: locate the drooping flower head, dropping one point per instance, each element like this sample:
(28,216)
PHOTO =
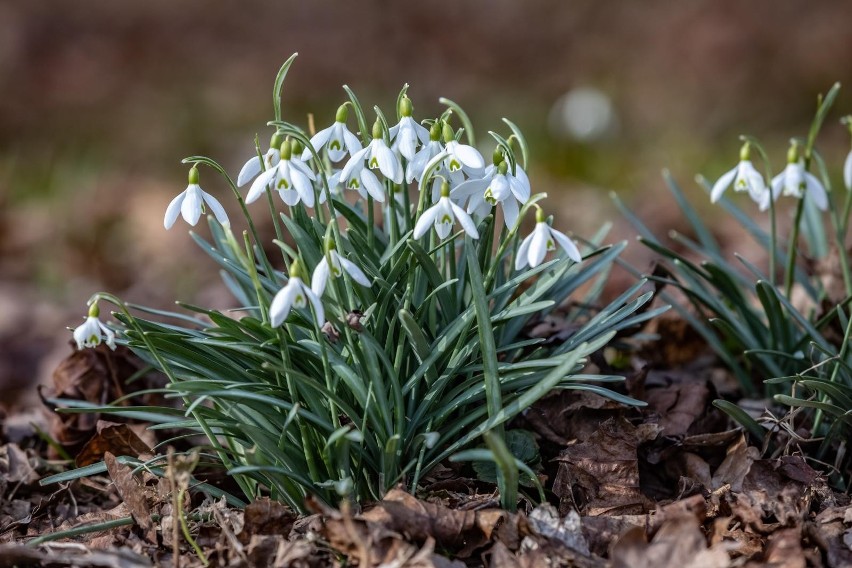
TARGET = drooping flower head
(295,294)
(92,332)
(334,265)
(336,139)
(796,181)
(543,239)
(497,187)
(847,165)
(357,174)
(745,178)
(190,204)
(443,215)
(291,178)
(461,157)
(407,133)
(252,167)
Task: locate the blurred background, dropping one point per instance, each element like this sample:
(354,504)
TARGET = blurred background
(101,100)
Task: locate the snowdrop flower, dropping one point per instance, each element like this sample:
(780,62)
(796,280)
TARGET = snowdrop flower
(251,168)
(745,178)
(461,156)
(794,180)
(443,214)
(540,241)
(406,134)
(332,264)
(847,166)
(355,175)
(291,178)
(337,139)
(190,203)
(92,331)
(295,294)
(498,186)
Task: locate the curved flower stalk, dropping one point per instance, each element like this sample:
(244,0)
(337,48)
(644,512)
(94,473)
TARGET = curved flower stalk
(795,181)
(542,240)
(443,215)
(92,332)
(294,294)
(334,265)
(407,133)
(745,178)
(252,167)
(336,139)
(190,204)
(291,178)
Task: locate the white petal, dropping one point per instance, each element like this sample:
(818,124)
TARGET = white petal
(356,273)
(468,188)
(259,186)
(353,145)
(279,309)
(510,212)
(356,161)
(320,277)
(421,131)
(250,169)
(319,312)
(816,191)
(469,156)
(318,140)
(847,171)
(290,196)
(109,336)
(407,143)
(520,188)
(777,186)
(389,164)
(522,257)
(426,220)
(538,245)
(173,210)
(191,207)
(568,245)
(722,184)
(303,186)
(372,185)
(303,167)
(464,219)
(216,208)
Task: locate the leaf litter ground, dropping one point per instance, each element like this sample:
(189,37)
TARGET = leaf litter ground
(672,484)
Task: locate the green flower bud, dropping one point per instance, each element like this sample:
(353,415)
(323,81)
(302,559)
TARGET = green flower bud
(793,152)
(377,129)
(193,175)
(497,156)
(445,189)
(275,142)
(448,133)
(745,152)
(503,167)
(286,149)
(296,147)
(405,106)
(297,270)
(342,113)
(94,310)
(540,217)
(435,131)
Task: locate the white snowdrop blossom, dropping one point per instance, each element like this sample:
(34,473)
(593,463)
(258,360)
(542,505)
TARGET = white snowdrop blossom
(190,204)
(377,155)
(794,180)
(407,132)
(744,177)
(336,139)
(335,268)
(252,167)
(291,178)
(443,215)
(294,294)
(416,167)
(497,187)
(461,156)
(543,239)
(92,332)
(847,171)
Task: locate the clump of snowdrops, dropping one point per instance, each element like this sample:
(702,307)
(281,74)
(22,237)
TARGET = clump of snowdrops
(388,332)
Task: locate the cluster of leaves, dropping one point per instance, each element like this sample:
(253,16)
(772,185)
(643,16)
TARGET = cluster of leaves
(788,339)
(379,383)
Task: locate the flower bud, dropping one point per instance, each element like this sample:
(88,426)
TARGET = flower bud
(94,310)
(296,147)
(286,149)
(448,133)
(497,156)
(377,129)
(503,167)
(405,106)
(342,113)
(275,142)
(297,270)
(540,217)
(445,188)
(793,152)
(745,152)
(193,175)
(435,131)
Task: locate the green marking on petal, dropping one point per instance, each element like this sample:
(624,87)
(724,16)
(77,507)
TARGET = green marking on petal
(550,244)
(447,219)
(336,271)
(454,166)
(374,163)
(354,184)
(94,339)
(283,183)
(299,301)
(335,145)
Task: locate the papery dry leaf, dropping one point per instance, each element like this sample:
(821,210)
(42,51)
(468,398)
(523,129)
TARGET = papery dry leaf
(603,471)
(677,544)
(118,439)
(679,403)
(831,530)
(266,517)
(15,466)
(736,465)
(784,550)
(132,494)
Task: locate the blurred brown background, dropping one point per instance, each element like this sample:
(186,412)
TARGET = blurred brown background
(101,100)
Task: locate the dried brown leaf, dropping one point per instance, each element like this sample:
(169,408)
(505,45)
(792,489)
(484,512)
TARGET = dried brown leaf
(118,439)
(266,517)
(677,544)
(133,495)
(736,465)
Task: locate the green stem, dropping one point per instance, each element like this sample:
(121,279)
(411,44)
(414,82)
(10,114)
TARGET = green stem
(792,249)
